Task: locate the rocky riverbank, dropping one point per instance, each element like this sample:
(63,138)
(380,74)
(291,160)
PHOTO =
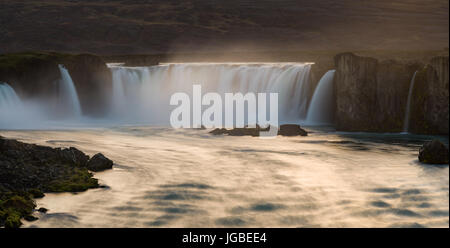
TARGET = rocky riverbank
(27,171)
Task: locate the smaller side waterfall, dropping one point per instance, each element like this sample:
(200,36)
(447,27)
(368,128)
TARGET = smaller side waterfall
(68,94)
(12,110)
(320,109)
(408,104)
(8,98)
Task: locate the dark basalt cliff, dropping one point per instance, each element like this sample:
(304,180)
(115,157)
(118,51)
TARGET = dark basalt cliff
(355,91)
(372,95)
(393,82)
(431,98)
(35,75)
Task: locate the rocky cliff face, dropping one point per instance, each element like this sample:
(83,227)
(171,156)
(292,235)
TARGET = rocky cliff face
(36,75)
(371,95)
(430,106)
(393,82)
(355,91)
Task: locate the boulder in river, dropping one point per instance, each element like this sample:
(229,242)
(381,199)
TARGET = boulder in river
(74,156)
(433,152)
(99,163)
(291,130)
(284,130)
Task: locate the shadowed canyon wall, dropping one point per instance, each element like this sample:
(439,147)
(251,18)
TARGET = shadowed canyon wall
(431,98)
(372,95)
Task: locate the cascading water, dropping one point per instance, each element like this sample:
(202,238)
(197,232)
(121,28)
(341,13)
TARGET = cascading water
(12,110)
(320,110)
(408,104)
(143,93)
(16,113)
(68,96)
(9,101)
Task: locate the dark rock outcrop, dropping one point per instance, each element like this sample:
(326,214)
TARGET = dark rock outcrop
(433,152)
(28,170)
(430,105)
(246,131)
(355,91)
(99,163)
(371,95)
(28,166)
(42,210)
(393,82)
(74,156)
(291,130)
(219,131)
(284,130)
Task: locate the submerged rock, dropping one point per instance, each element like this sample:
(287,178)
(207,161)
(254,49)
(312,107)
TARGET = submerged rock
(246,131)
(433,152)
(42,210)
(99,163)
(30,218)
(291,130)
(219,131)
(284,130)
(371,95)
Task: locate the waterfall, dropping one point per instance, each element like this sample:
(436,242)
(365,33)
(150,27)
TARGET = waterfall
(143,93)
(408,104)
(320,110)
(12,110)
(68,96)
(9,101)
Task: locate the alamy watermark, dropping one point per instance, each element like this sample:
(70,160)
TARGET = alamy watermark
(214,117)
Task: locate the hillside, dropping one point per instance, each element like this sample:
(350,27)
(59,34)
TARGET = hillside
(159,26)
